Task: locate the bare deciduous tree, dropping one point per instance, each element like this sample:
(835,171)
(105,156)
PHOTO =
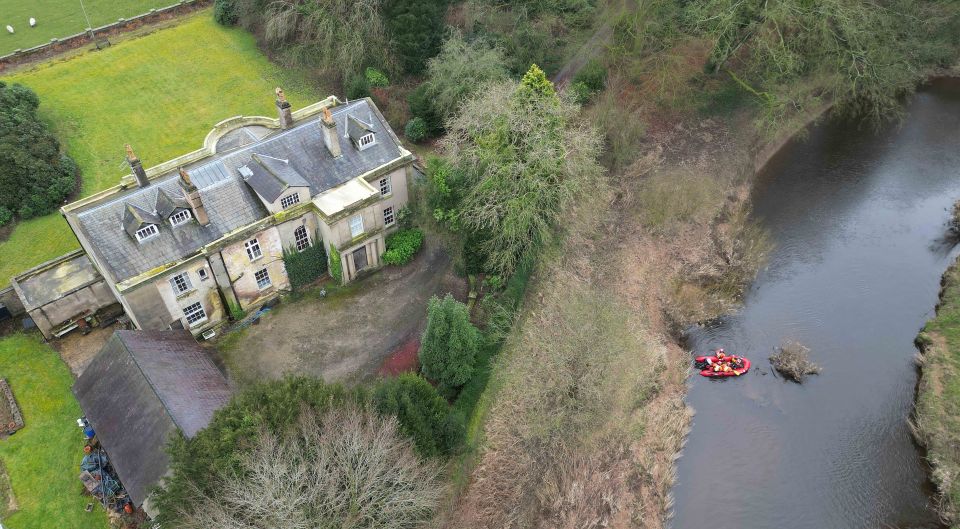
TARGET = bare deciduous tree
(347,469)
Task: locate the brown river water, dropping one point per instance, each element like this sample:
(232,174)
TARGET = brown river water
(858,221)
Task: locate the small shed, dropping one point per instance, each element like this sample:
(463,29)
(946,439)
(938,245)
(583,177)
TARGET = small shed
(140,389)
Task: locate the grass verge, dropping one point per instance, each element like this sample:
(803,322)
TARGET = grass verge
(937,416)
(161,92)
(42,459)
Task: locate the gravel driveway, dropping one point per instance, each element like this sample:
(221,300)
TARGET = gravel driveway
(345,336)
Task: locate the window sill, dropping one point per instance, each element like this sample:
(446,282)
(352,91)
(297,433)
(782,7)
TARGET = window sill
(186,293)
(263,289)
(197,323)
(255,259)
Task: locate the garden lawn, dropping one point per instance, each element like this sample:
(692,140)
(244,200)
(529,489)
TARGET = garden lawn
(162,93)
(62,18)
(43,458)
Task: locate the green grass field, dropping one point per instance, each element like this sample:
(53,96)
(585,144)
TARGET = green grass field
(61,18)
(43,458)
(161,93)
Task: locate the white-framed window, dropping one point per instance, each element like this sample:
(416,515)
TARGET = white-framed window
(388,216)
(385,186)
(194,314)
(263,278)
(253,249)
(144,233)
(181,283)
(290,200)
(367,140)
(356,225)
(301,238)
(203,274)
(180,217)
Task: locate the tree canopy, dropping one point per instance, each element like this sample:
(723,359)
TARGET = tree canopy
(521,155)
(35,177)
(450,342)
(416,30)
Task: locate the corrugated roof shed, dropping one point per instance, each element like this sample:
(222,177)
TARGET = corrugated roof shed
(141,388)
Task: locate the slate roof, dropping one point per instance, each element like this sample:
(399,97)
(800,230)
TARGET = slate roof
(230,203)
(141,388)
(270,177)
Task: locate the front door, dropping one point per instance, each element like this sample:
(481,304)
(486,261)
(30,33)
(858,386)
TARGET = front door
(360,259)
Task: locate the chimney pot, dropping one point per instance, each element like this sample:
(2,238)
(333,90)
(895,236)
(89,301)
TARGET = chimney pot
(331,139)
(192,195)
(138,172)
(283,110)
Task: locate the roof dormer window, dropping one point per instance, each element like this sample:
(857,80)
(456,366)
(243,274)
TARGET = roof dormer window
(180,217)
(146,232)
(367,140)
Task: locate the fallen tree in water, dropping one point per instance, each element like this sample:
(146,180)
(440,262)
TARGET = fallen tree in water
(792,360)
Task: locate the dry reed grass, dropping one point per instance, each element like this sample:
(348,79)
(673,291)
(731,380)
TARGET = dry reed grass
(792,360)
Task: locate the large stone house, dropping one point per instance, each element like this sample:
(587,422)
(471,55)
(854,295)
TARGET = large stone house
(183,243)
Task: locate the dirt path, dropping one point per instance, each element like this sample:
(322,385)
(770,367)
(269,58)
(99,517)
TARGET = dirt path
(345,336)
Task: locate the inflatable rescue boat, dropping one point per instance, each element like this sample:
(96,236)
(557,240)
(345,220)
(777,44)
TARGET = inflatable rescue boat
(706,366)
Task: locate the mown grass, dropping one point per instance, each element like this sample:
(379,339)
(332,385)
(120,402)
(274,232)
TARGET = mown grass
(43,458)
(937,417)
(62,18)
(161,93)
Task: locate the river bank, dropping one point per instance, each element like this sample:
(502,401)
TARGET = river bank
(936,420)
(586,412)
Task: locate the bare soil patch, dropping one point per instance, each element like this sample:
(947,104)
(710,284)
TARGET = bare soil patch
(77,349)
(403,359)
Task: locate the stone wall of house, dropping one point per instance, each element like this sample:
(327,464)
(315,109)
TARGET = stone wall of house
(203,291)
(241,270)
(287,237)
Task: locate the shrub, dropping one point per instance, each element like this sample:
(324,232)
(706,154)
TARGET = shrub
(225,12)
(358,87)
(402,246)
(416,130)
(305,267)
(421,106)
(593,75)
(375,78)
(422,413)
(336,268)
(5,215)
(449,346)
(461,69)
(35,177)
(580,92)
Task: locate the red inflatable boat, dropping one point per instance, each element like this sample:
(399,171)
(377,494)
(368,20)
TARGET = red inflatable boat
(741,366)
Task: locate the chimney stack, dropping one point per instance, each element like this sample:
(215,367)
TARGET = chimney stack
(192,195)
(137,168)
(283,109)
(330,137)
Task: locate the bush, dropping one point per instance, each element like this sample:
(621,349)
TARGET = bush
(593,75)
(580,92)
(336,268)
(449,346)
(305,267)
(35,177)
(225,12)
(358,87)
(423,414)
(421,106)
(416,130)
(376,79)
(5,215)
(402,246)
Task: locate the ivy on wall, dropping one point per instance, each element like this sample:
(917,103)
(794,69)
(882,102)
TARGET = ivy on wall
(305,267)
(336,269)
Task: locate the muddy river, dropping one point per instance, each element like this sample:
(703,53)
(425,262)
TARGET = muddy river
(858,219)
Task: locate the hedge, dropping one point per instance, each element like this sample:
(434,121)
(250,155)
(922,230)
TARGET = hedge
(402,246)
(423,414)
